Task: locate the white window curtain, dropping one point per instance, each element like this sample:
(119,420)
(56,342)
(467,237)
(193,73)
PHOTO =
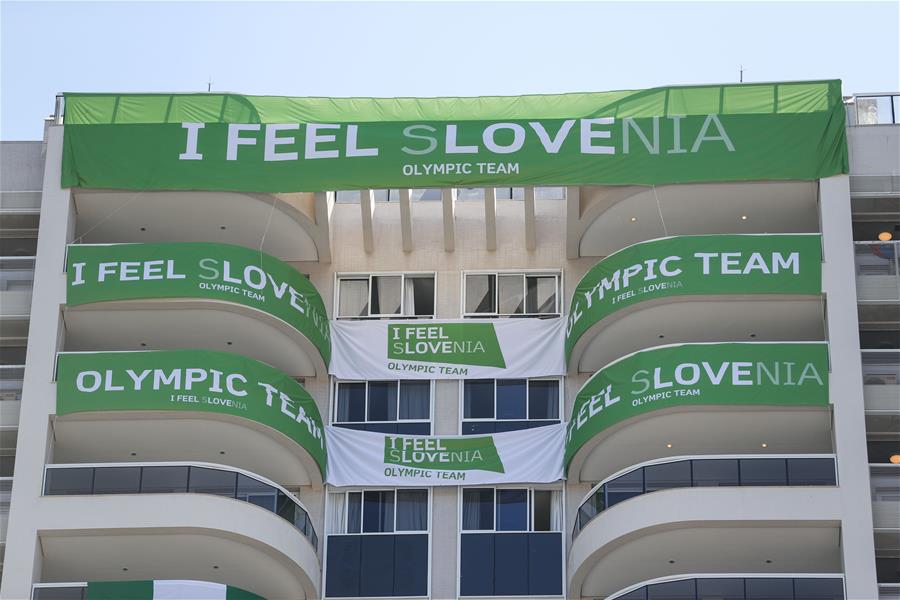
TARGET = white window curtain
(412,510)
(556,512)
(354,298)
(409,296)
(337,513)
(415,400)
(388,292)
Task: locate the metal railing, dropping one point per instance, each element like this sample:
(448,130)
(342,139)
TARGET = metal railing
(881,367)
(877,269)
(873,109)
(718,471)
(179,478)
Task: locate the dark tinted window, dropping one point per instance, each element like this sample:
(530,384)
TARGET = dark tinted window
(543,399)
(887,569)
(712,473)
(511,399)
(59,593)
(256,492)
(810,471)
(638,594)
(164,480)
(382,401)
(543,505)
(622,488)
(769,589)
(117,480)
(285,507)
(69,481)
(478,399)
(667,475)
(671,590)
(422,296)
(512,510)
(378,511)
(819,589)
(720,589)
(351,402)
(478,509)
(212,481)
(763,471)
(881,452)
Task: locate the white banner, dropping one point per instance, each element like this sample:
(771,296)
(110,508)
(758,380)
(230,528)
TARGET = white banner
(364,458)
(455,349)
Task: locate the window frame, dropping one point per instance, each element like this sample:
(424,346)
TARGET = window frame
(333,403)
(362,490)
(462,400)
(530,489)
(338,277)
(524,273)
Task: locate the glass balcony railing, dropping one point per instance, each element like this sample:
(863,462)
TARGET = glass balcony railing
(730,471)
(11,377)
(874,109)
(719,587)
(178,478)
(16,282)
(881,380)
(877,271)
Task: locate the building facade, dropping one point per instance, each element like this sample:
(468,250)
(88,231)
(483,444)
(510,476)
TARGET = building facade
(198,403)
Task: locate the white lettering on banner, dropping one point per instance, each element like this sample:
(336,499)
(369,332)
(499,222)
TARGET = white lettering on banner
(190,150)
(738,373)
(730,263)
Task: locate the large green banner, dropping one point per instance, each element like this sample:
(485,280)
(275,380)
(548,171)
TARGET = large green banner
(190,380)
(105,272)
(790,130)
(739,373)
(695,265)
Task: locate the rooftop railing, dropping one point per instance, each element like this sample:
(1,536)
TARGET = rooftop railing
(874,109)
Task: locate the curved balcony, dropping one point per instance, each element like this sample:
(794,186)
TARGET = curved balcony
(722,530)
(187,405)
(705,288)
(606,218)
(180,537)
(293,227)
(737,587)
(699,399)
(705,471)
(215,296)
(140,590)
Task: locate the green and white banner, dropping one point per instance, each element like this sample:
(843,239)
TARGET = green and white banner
(109,272)
(736,132)
(691,265)
(165,590)
(457,349)
(740,373)
(190,380)
(381,459)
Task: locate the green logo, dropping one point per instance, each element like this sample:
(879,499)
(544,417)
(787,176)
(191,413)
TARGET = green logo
(443,454)
(473,344)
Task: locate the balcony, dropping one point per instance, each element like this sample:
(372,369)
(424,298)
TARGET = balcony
(215,296)
(11,378)
(687,400)
(746,587)
(885,481)
(705,471)
(16,282)
(776,531)
(877,268)
(139,590)
(707,288)
(179,478)
(224,408)
(881,381)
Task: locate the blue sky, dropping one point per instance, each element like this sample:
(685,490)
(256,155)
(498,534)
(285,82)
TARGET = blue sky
(429,49)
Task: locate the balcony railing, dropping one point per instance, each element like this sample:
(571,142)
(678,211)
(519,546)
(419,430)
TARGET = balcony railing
(179,478)
(877,269)
(874,109)
(720,471)
(11,377)
(746,587)
(16,282)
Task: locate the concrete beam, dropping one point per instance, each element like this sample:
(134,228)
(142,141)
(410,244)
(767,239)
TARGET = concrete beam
(324,205)
(490,218)
(573,222)
(367,207)
(530,223)
(448,199)
(406,220)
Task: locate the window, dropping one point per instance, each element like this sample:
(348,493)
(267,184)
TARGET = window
(511,294)
(385,296)
(511,509)
(495,405)
(378,511)
(384,406)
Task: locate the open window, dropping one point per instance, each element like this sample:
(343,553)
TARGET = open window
(385,296)
(510,294)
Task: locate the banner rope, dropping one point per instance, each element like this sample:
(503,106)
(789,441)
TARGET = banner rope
(659,210)
(80,238)
(262,240)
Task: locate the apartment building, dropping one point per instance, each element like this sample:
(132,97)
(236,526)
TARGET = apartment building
(624,345)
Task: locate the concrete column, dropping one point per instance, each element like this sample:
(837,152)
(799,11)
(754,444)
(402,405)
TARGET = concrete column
(23,556)
(846,390)
(444,539)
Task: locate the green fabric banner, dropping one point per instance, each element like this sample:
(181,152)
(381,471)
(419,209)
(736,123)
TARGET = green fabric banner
(694,265)
(106,272)
(790,130)
(190,380)
(739,373)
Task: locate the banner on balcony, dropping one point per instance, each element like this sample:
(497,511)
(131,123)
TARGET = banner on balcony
(739,373)
(165,590)
(107,272)
(380,459)
(736,132)
(691,265)
(190,380)
(457,349)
